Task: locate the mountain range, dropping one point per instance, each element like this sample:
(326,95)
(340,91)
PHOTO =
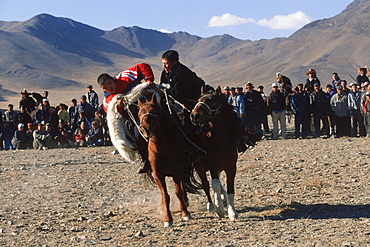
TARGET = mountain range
(63,56)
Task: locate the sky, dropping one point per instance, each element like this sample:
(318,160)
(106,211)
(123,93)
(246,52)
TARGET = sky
(242,19)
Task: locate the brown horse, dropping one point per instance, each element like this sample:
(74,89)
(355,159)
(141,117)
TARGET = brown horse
(212,112)
(167,156)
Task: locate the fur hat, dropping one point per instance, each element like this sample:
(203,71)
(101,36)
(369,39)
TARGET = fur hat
(311,71)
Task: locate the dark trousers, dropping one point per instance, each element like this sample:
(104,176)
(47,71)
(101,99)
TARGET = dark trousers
(342,126)
(300,121)
(357,120)
(324,119)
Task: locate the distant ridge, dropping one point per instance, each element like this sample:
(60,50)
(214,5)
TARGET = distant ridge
(47,52)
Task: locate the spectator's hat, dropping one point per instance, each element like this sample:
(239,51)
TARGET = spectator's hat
(232,88)
(352,84)
(239,88)
(40,124)
(20,125)
(296,89)
(29,125)
(89,86)
(367,93)
(311,71)
(275,84)
(316,84)
(226,88)
(45,92)
(277,74)
(339,87)
(362,69)
(45,100)
(48,124)
(25,92)
(366,83)
(249,84)
(83,96)
(94,122)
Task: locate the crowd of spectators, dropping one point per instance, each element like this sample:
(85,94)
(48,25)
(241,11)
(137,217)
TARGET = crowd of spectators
(40,125)
(337,110)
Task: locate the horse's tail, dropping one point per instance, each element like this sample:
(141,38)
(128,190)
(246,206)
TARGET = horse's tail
(191,179)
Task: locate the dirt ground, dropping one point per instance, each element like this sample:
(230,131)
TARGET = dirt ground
(313,192)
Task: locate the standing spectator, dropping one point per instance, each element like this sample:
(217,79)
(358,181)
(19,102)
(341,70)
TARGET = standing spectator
(20,137)
(239,102)
(92,97)
(319,107)
(41,138)
(226,91)
(24,117)
(331,115)
(339,104)
(354,107)
(231,97)
(28,102)
(7,135)
(254,108)
(311,80)
(73,114)
(346,90)
(265,112)
(95,135)
(10,116)
(366,108)
(336,80)
(87,108)
(299,103)
(362,77)
(276,102)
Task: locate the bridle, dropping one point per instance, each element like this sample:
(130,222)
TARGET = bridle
(210,112)
(147,115)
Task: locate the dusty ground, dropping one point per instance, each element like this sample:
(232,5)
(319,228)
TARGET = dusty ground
(310,192)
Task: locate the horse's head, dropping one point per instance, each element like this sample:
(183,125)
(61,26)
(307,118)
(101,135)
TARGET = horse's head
(208,106)
(149,116)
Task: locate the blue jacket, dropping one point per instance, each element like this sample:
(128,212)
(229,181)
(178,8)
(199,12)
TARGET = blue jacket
(299,102)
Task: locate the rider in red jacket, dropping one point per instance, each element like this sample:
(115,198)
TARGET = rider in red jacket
(122,84)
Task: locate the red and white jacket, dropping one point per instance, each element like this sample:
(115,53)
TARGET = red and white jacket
(128,79)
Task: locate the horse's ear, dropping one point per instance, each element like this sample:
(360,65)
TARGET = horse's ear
(218,90)
(154,98)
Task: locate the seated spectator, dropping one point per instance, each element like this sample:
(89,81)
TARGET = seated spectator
(54,140)
(29,134)
(80,134)
(82,118)
(95,135)
(20,137)
(7,136)
(63,113)
(41,138)
(39,115)
(24,117)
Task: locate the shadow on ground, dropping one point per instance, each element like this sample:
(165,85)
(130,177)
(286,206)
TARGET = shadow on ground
(312,211)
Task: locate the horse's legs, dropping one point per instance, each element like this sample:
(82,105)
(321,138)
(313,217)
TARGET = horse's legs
(217,188)
(181,194)
(205,184)
(161,182)
(230,180)
(186,199)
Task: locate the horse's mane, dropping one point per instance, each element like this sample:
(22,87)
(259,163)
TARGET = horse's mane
(120,136)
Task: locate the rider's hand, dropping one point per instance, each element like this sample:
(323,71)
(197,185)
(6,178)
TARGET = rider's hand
(151,84)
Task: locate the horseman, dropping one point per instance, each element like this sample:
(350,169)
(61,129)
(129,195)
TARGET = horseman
(122,84)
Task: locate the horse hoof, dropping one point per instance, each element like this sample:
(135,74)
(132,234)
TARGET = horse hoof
(187,204)
(167,224)
(211,207)
(186,218)
(220,213)
(233,216)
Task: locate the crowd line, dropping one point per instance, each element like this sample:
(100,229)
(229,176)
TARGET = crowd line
(337,111)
